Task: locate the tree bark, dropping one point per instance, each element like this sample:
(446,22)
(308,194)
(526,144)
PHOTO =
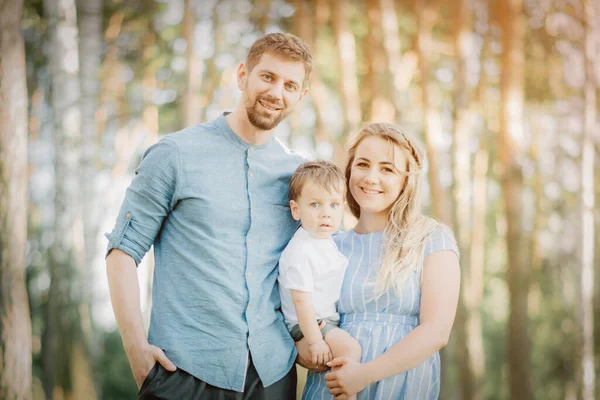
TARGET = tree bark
(260,14)
(391,43)
(110,79)
(590,129)
(379,95)
(461,198)
(513,27)
(90,57)
(15,323)
(64,330)
(426,17)
(195,65)
(347,60)
(477,239)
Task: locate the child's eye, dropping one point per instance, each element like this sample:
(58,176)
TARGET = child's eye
(314,205)
(335,205)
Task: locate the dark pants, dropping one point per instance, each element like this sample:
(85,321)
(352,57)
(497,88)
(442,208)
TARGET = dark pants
(164,385)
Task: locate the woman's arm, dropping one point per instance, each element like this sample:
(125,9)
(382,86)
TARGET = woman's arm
(439,299)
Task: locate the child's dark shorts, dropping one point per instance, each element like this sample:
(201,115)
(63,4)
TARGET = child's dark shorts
(332,323)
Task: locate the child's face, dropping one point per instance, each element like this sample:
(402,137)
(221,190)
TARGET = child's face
(319,211)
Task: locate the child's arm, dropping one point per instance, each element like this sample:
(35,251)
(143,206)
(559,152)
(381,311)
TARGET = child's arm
(307,319)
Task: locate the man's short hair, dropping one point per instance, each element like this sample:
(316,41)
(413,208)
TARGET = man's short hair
(323,173)
(284,45)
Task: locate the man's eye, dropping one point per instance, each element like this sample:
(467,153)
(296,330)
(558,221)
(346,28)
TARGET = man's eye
(290,87)
(267,77)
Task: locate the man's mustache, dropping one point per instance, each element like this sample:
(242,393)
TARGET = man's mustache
(270,100)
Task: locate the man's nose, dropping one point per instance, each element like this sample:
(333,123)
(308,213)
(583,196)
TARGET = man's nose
(276,91)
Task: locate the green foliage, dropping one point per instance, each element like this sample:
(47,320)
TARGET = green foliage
(117,379)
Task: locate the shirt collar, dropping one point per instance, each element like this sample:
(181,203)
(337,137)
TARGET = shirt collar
(235,139)
(303,233)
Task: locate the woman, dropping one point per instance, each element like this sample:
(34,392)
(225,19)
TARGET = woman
(401,287)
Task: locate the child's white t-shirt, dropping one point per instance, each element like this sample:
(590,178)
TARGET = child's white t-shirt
(314,265)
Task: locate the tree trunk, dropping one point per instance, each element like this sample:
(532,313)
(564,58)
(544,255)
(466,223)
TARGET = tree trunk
(90,57)
(391,43)
(426,17)
(191,102)
(378,93)
(260,15)
(64,330)
(587,201)
(461,201)
(513,26)
(478,235)
(347,60)
(477,266)
(15,324)
(110,78)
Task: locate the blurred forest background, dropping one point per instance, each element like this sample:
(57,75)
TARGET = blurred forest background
(502,93)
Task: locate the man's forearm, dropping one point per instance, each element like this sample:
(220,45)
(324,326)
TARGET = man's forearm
(125,297)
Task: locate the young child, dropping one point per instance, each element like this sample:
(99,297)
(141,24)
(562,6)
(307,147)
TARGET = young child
(311,268)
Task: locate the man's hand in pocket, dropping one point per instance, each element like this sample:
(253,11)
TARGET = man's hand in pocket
(142,358)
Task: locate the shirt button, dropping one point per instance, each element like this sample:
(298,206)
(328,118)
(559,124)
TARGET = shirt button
(249,274)
(251,175)
(251,149)
(249,308)
(249,340)
(249,241)
(128,216)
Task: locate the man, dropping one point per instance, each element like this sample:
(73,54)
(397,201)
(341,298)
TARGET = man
(213,200)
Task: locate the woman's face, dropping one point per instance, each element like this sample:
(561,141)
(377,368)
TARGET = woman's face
(375,178)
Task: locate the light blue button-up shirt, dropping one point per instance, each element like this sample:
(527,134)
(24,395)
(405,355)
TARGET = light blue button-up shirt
(216,210)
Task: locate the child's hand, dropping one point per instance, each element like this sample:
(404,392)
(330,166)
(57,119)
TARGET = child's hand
(320,352)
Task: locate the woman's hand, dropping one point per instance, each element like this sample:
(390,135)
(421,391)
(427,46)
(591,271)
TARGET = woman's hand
(348,377)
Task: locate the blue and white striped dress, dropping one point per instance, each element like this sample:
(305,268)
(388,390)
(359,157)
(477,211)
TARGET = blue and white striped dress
(378,324)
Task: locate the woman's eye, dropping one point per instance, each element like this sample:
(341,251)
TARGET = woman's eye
(386,169)
(361,164)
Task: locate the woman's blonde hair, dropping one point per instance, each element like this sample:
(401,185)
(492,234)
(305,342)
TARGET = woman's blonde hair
(407,228)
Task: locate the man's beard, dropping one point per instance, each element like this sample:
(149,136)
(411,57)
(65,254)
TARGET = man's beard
(261,122)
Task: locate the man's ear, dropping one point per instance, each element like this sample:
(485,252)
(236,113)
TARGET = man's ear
(295,210)
(304,91)
(242,75)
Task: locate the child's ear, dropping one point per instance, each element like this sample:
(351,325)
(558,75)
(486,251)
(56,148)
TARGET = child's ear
(295,210)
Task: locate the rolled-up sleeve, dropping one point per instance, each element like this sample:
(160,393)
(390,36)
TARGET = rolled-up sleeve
(149,198)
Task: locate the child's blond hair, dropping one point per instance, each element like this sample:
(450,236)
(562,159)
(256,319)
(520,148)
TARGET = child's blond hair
(324,174)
